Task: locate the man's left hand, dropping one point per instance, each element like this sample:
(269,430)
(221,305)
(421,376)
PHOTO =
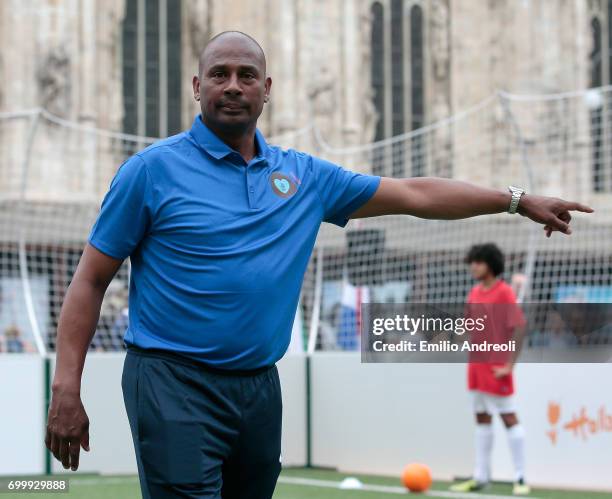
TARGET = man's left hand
(554,213)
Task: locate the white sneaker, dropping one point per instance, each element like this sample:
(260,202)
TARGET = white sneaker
(521,489)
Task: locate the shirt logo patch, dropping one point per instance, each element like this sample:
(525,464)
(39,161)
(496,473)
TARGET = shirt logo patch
(282,185)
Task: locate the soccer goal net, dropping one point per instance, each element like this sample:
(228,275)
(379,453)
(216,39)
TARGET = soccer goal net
(54,174)
(556,145)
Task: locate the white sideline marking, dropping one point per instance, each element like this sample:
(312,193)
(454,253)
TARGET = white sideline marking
(389,489)
(313,482)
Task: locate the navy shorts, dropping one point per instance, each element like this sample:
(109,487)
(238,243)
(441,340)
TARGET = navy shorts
(200,432)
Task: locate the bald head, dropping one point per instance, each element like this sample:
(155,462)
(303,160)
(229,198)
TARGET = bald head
(235,41)
(231,84)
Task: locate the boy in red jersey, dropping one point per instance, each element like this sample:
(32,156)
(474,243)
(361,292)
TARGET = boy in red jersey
(491,383)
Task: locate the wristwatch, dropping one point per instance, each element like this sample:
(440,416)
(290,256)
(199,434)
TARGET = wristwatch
(516,192)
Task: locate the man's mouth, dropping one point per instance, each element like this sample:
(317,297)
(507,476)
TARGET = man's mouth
(232,106)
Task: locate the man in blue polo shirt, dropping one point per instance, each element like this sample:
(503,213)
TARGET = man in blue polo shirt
(219,227)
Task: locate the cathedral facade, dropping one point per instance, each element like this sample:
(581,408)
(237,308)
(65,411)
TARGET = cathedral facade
(359,70)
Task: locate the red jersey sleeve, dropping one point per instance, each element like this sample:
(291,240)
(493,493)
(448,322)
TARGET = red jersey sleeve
(515,316)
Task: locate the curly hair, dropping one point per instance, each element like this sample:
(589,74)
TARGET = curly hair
(488,253)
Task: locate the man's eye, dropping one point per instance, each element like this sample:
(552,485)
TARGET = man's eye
(218,74)
(249,76)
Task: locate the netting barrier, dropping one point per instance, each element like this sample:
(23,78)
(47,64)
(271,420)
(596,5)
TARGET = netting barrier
(54,174)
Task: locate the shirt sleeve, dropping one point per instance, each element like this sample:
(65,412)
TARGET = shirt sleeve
(125,214)
(341,191)
(515,316)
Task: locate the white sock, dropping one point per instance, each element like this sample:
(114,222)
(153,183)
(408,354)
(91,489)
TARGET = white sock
(484,445)
(516,440)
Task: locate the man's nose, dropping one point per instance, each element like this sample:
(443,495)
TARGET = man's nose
(233,85)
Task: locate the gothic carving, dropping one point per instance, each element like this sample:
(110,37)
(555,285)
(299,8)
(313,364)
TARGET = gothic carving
(440,43)
(595,6)
(199,14)
(53,77)
(439,50)
(443,138)
(321,94)
(369,111)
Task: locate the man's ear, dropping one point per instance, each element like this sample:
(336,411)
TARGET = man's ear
(196,87)
(268,86)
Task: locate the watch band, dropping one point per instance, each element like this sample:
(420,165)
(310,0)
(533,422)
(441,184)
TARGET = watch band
(516,192)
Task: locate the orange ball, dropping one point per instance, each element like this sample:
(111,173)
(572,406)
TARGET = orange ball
(416,477)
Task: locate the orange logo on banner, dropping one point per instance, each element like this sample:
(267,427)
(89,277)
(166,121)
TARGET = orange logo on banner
(580,424)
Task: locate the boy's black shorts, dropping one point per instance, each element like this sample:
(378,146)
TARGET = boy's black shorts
(200,432)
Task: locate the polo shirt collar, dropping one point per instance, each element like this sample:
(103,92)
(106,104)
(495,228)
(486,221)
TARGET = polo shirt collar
(218,149)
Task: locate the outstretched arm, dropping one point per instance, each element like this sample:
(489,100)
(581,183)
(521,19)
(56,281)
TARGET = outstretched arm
(446,199)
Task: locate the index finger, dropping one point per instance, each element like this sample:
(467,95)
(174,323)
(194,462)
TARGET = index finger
(578,207)
(64,449)
(75,449)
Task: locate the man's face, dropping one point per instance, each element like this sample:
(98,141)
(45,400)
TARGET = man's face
(479,270)
(232,84)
